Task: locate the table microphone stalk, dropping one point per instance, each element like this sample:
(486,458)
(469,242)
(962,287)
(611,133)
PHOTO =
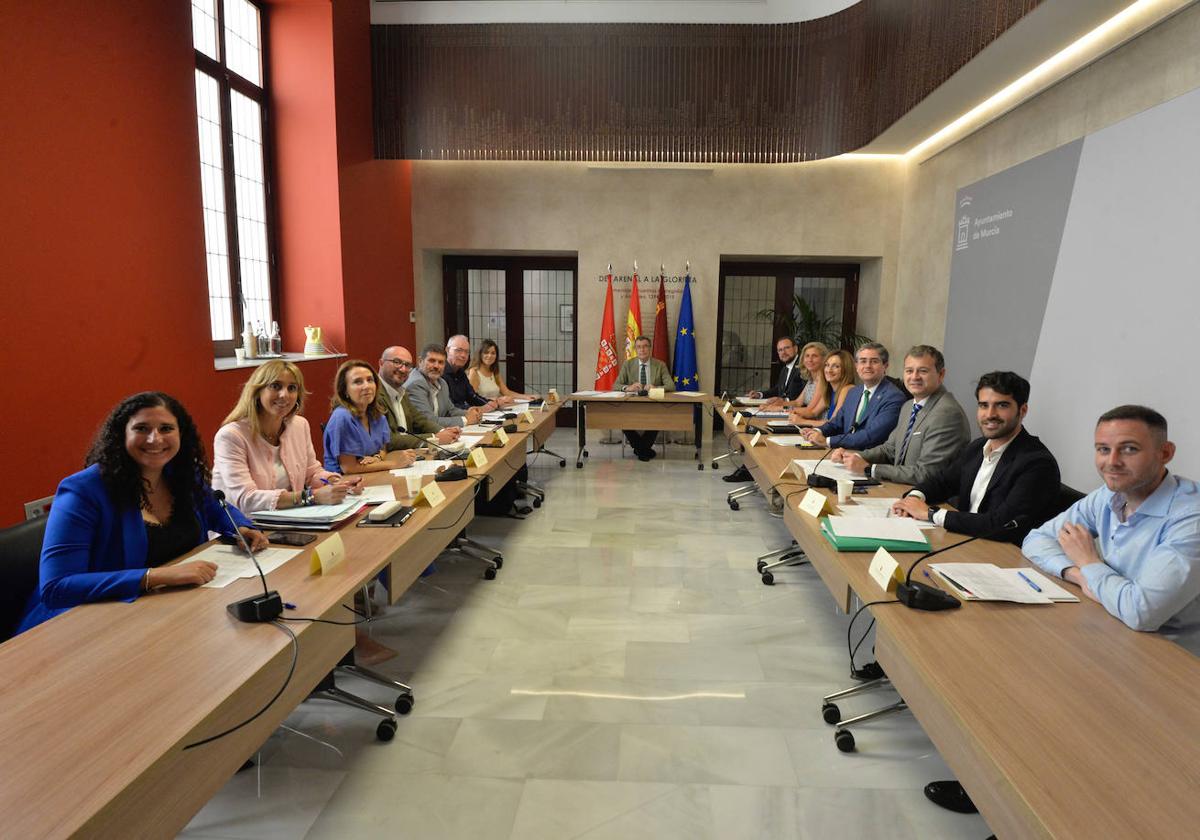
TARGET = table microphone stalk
(256,608)
(920,596)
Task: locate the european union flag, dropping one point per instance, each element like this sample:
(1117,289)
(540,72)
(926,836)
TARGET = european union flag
(686,373)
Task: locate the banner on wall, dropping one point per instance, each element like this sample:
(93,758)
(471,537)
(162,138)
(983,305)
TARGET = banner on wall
(686,372)
(662,342)
(606,359)
(633,319)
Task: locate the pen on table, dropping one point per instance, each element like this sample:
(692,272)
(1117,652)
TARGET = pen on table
(1036,588)
(956,584)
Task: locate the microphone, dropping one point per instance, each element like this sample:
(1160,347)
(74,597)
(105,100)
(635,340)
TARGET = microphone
(256,608)
(433,442)
(920,596)
(821,481)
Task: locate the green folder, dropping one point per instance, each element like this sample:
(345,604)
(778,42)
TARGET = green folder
(867,544)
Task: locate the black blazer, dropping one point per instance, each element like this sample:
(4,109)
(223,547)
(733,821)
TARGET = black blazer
(1025,483)
(794,386)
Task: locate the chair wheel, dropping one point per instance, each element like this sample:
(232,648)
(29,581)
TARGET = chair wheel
(386,730)
(499,562)
(537,503)
(579,465)
(489,573)
(562,462)
(844,739)
(700,467)
(831,713)
(713,465)
(760,565)
(404,704)
(734,506)
(768,579)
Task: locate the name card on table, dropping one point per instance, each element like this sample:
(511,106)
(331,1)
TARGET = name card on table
(477,458)
(814,503)
(737,419)
(884,570)
(327,555)
(725,408)
(501,437)
(657,393)
(757,439)
(527,416)
(431,494)
(796,468)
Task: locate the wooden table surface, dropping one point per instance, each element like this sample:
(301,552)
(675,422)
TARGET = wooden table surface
(1059,720)
(97,704)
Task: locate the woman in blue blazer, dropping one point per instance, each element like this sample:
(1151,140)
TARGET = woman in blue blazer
(143,500)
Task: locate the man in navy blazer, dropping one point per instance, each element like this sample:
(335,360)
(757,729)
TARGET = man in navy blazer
(870,411)
(1007,474)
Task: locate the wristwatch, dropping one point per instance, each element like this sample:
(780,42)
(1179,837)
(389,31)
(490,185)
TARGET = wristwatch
(932,510)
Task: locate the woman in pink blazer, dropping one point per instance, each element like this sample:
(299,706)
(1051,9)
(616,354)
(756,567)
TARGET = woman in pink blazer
(263,456)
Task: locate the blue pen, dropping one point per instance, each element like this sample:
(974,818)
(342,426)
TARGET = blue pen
(1036,588)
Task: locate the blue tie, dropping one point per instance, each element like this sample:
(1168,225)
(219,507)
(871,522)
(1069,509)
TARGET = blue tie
(912,419)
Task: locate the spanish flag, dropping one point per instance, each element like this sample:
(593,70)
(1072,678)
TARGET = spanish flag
(633,320)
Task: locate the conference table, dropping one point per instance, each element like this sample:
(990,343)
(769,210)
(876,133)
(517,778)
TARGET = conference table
(98,704)
(673,412)
(1058,720)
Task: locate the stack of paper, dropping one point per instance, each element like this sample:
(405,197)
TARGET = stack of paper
(790,440)
(423,468)
(690,393)
(748,401)
(232,562)
(311,518)
(988,582)
(376,495)
(858,534)
(601,395)
(876,508)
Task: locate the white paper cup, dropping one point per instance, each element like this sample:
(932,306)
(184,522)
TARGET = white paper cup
(414,483)
(240,354)
(845,488)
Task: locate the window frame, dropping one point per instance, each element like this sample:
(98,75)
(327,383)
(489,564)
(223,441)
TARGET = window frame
(229,80)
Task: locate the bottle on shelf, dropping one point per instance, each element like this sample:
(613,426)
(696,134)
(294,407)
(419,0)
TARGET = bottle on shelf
(264,343)
(276,340)
(249,342)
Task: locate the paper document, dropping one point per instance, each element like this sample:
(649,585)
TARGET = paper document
(838,471)
(312,513)
(423,468)
(376,494)
(477,429)
(988,582)
(780,414)
(876,529)
(690,393)
(232,562)
(779,423)
(876,508)
(603,395)
(789,440)
(749,401)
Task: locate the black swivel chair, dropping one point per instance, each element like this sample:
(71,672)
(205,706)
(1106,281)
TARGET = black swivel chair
(20,556)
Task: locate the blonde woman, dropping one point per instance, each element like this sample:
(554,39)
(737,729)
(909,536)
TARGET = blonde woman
(813,400)
(263,456)
(839,378)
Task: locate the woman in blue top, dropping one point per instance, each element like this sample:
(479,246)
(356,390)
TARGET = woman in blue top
(357,433)
(143,500)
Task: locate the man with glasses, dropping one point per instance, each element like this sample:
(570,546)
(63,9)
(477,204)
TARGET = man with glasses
(462,393)
(395,365)
(871,409)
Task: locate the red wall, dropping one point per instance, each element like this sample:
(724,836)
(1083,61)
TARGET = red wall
(102,263)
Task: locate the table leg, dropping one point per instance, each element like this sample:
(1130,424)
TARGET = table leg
(698,424)
(581,431)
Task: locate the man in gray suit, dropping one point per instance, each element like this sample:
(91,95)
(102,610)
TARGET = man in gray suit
(641,374)
(929,433)
(431,396)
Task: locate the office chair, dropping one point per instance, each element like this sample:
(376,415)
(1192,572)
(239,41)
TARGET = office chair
(790,555)
(20,556)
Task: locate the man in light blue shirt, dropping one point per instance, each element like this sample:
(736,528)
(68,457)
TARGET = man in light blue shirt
(1133,545)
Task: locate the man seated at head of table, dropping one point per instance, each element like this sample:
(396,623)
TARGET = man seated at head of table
(869,413)
(1134,544)
(430,395)
(263,456)
(1005,475)
(640,374)
(143,500)
(931,427)
(458,382)
(357,433)
(409,426)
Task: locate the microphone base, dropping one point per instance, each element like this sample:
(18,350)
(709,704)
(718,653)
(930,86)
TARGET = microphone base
(258,608)
(918,596)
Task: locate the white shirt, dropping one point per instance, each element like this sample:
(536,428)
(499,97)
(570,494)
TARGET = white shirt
(394,398)
(991,457)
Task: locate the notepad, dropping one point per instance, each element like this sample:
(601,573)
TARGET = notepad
(316,517)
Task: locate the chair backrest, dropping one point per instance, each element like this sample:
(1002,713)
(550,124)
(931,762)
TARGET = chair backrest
(20,556)
(1067,496)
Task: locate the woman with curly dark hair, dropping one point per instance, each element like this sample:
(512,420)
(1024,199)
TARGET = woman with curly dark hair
(143,500)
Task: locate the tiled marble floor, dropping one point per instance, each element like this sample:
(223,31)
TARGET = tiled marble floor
(626,676)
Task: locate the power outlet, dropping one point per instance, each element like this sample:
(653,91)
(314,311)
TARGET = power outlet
(38,507)
(412,317)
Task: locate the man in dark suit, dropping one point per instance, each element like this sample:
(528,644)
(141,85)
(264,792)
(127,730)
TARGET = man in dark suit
(869,414)
(1006,474)
(791,378)
(638,375)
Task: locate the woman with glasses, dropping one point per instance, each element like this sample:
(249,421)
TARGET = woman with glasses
(263,456)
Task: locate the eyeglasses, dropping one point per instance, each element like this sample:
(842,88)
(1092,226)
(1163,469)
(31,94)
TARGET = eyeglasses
(399,363)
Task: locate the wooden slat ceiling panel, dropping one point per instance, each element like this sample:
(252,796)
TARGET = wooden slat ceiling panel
(670,92)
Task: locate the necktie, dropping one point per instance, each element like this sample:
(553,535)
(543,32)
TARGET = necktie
(912,419)
(862,406)
(642,375)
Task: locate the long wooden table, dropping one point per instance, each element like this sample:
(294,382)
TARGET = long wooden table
(97,704)
(673,413)
(1058,720)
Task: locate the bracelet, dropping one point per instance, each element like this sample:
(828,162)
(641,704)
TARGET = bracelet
(306,497)
(146,581)
(1063,575)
